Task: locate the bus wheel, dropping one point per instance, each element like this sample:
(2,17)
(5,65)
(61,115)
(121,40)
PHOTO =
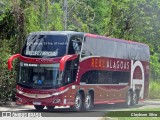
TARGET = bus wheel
(88,102)
(129,99)
(50,108)
(39,107)
(77,102)
(135,98)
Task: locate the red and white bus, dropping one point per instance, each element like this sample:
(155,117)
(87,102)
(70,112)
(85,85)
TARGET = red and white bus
(76,69)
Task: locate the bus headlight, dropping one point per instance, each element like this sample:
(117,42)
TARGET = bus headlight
(20,92)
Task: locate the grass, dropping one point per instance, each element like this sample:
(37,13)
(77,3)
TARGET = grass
(133,118)
(154,90)
(131,114)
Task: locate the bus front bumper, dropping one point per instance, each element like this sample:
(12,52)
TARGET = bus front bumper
(51,101)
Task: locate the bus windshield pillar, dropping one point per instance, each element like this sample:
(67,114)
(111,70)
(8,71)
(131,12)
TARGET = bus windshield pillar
(65,59)
(11,59)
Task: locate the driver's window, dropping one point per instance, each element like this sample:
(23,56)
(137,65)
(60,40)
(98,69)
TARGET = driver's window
(75,45)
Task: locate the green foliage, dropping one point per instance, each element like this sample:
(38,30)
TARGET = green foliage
(46,17)
(7,79)
(155,67)
(80,16)
(7,26)
(154,89)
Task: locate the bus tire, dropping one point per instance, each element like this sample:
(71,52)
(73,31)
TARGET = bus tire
(135,98)
(77,102)
(88,102)
(50,108)
(129,97)
(39,107)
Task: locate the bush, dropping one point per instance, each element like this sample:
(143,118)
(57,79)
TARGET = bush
(154,89)
(7,78)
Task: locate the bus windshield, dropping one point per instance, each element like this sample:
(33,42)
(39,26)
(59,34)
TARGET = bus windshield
(45,46)
(45,76)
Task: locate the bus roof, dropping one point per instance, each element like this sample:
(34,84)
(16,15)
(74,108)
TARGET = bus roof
(57,33)
(87,35)
(114,39)
(116,48)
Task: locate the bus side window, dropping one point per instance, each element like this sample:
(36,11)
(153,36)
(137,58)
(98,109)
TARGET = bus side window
(116,77)
(75,45)
(70,71)
(90,77)
(109,78)
(74,68)
(120,77)
(67,77)
(84,78)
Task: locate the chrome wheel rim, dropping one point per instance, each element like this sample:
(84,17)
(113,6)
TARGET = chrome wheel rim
(78,102)
(88,101)
(129,100)
(134,99)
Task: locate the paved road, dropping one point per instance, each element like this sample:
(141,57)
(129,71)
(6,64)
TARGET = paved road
(98,111)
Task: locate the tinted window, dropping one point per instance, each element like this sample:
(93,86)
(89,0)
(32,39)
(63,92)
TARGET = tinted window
(138,52)
(89,47)
(70,71)
(75,44)
(45,46)
(105,77)
(120,77)
(114,49)
(121,51)
(90,77)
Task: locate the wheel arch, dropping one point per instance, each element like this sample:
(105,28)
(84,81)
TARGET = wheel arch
(81,91)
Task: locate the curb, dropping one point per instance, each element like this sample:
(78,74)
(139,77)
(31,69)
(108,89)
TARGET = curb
(8,104)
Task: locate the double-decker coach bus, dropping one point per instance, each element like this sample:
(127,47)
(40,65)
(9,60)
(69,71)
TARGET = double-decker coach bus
(67,68)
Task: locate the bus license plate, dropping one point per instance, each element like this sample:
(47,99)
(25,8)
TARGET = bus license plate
(36,103)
